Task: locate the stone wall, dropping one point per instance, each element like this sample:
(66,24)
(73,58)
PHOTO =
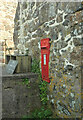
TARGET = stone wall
(62,22)
(7,14)
(19,99)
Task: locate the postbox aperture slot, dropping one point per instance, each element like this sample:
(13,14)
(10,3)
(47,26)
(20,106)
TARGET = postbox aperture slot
(43,47)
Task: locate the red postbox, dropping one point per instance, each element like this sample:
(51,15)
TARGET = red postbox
(45,51)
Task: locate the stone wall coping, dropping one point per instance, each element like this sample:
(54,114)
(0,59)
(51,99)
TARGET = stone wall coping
(20,76)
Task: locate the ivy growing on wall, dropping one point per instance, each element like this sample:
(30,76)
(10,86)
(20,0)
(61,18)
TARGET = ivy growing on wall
(44,111)
(35,66)
(43,92)
(42,84)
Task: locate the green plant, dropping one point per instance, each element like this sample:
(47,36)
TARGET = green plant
(27,82)
(24,117)
(44,111)
(35,66)
(42,84)
(40,113)
(43,92)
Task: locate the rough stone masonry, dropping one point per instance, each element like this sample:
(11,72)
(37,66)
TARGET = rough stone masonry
(7,14)
(63,23)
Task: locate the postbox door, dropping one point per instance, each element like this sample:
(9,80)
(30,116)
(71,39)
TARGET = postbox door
(45,68)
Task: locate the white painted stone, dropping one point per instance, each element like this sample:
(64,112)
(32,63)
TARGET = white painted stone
(73,103)
(68,63)
(52,101)
(67,37)
(68,46)
(48,97)
(51,96)
(60,11)
(34,32)
(47,32)
(39,45)
(75,32)
(59,38)
(64,85)
(72,95)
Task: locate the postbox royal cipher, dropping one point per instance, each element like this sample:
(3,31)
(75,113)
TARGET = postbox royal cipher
(45,51)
